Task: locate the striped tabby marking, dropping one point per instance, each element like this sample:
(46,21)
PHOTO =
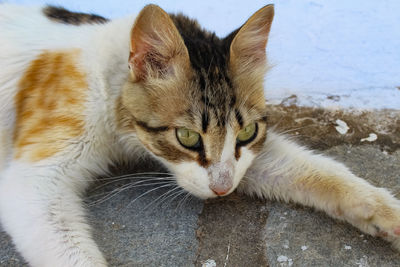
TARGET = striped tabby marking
(62,15)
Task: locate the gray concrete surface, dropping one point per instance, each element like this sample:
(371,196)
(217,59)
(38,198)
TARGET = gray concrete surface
(236,230)
(310,238)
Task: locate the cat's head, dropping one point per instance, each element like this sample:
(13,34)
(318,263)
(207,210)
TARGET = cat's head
(196,101)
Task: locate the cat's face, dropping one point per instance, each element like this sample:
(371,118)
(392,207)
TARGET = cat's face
(197,102)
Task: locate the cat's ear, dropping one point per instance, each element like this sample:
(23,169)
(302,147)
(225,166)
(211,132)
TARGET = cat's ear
(157,50)
(247,50)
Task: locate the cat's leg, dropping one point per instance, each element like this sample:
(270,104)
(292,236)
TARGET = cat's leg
(288,172)
(41,208)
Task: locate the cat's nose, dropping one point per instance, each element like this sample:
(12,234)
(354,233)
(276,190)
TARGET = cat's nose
(219,191)
(222,182)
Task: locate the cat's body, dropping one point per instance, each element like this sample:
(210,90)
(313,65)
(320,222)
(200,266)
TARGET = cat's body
(70,107)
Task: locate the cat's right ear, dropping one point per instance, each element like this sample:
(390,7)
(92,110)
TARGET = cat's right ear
(247,50)
(157,50)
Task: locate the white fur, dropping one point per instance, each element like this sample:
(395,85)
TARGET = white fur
(40,203)
(288,172)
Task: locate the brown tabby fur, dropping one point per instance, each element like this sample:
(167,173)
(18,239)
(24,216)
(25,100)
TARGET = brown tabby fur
(187,76)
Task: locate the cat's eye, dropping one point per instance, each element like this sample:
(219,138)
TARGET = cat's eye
(188,138)
(247,134)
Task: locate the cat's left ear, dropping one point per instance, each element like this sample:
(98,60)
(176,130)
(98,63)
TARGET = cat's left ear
(157,49)
(247,50)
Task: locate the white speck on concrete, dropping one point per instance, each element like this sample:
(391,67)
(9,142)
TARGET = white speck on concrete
(304,248)
(341,127)
(347,247)
(371,138)
(363,262)
(285,244)
(282,258)
(209,263)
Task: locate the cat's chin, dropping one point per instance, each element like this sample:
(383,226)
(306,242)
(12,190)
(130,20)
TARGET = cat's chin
(204,193)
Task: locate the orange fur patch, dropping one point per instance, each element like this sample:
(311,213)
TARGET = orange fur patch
(49,105)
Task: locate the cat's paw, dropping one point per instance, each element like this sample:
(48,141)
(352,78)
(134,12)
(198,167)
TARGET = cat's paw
(376,213)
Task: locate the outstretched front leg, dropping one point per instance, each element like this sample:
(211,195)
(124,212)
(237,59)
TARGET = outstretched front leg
(41,209)
(288,172)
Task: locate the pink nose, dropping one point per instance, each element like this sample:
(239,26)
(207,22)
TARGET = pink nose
(221,178)
(222,183)
(220,192)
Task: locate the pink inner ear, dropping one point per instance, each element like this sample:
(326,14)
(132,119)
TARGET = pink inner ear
(150,55)
(144,58)
(137,59)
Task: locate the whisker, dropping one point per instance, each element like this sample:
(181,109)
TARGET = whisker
(129,184)
(161,197)
(146,193)
(108,193)
(133,175)
(180,204)
(298,128)
(176,194)
(144,178)
(124,188)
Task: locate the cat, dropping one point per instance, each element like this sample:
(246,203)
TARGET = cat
(79,92)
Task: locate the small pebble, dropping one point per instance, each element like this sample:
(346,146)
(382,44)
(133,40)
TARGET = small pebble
(341,127)
(282,258)
(209,263)
(371,138)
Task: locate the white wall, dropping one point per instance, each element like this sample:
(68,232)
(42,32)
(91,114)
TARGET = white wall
(345,48)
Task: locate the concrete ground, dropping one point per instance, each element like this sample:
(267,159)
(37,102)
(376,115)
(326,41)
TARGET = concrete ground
(240,231)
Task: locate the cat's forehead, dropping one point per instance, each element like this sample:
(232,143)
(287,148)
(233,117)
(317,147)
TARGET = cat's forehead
(212,92)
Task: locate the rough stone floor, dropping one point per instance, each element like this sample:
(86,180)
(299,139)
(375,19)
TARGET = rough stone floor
(154,230)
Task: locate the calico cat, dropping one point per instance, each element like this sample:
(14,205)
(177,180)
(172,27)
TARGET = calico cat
(79,92)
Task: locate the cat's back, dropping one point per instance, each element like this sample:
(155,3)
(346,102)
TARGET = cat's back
(38,46)
(26,31)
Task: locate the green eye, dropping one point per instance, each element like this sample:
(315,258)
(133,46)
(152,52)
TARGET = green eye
(188,138)
(247,134)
